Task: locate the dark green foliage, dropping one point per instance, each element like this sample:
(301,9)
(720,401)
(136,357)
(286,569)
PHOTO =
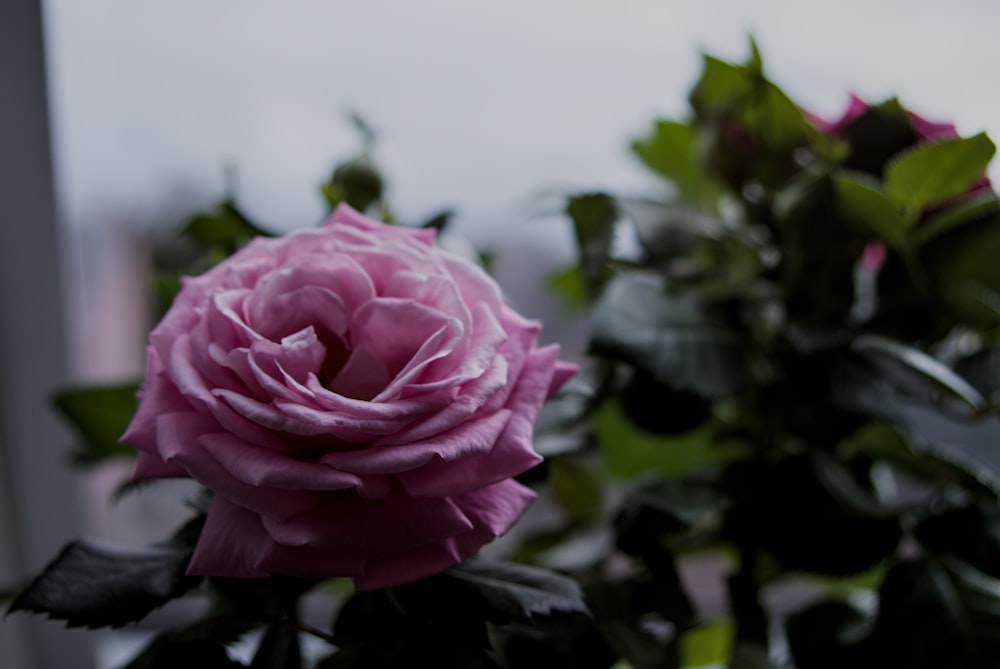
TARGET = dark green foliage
(169,651)
(829,635)
(88,585)
(678,340)
(594,216)
(938,612)
(222,231)
(99,414)
(479,615)
(813,515)
(357,182)
(824,303)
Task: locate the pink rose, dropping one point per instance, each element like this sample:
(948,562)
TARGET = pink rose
(357,399)
(923,129)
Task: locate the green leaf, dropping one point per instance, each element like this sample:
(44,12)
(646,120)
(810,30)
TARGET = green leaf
(845,490)
(940,464)
(199,644)
(829,634)
(577,487)
(707,644)
(878,134)
(594,216)
(242,604)
(883,378)
(936,172)
(278,648)
(937,613)
(569,643)
(438,221)
(621,613)
(675,338)
(223,230)
(168,652)
(518,593)
(747,655)
(864,204)
(569,286)
(95,586)
(346,658)
(813,515)
(970,532)
(960,264)
(670,150)
(742,93)
(99,414)
(915,373)
(629,451)
(664,508)
(967,210)
(982,371)
(433,622)
(720,86)
(357,182)
(659,408)
(166,286)
(748,127)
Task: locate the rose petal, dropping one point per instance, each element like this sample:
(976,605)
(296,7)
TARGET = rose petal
(346,216)
(384,571)
(179,440)
(474,284)
(298,355)
(190,384)
(460,366)
(277,316)
(263,467)
(310,561)
(526,400)
(229,543)
(396,523)
(234,544)
(362,376)
(156,396)
(392,409)
(471,398)
(149,466)
(378,330)
(563,372)
(512,452)
(341,426)
(493,511)
(471,438)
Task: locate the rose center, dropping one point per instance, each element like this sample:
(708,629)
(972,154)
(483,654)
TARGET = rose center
(337,354)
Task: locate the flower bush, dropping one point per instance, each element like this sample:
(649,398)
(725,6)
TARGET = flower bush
(780,452)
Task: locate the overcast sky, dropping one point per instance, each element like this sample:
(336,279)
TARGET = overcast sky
(479,104)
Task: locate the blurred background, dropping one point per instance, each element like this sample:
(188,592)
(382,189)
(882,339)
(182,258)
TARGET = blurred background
(156,110)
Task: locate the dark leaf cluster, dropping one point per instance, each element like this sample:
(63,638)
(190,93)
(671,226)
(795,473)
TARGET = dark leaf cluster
(793,396)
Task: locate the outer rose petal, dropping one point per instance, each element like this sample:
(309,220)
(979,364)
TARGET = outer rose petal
(492,510)
(357,399)
(396,524)
(511,453)
(234,544)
